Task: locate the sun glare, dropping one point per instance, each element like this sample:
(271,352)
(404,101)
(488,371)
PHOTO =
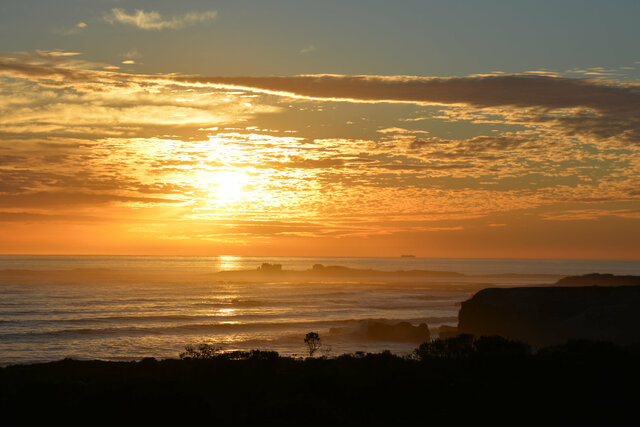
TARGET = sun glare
(229,185)
(223,186)
(228,262)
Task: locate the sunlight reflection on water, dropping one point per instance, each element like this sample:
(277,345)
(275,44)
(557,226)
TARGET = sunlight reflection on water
(229,262)
(142,313)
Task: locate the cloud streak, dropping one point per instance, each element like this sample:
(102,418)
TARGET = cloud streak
(520,91)
(484,91)
(574,107)
(154,21)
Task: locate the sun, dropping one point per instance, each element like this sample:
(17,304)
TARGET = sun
(229,185)
(223,186)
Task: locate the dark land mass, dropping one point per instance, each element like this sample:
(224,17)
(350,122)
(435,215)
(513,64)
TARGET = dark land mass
(320,272)
(264,273)
(458,381)
(597,279)
(551,315)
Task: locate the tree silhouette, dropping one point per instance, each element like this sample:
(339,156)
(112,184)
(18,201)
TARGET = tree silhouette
(312,340)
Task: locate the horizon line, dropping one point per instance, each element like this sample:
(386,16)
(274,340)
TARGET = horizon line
(311,256)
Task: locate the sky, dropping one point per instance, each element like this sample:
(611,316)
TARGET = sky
(353,128)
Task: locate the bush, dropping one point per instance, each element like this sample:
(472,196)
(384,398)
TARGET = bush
(210,351)
(201,351)
(465,346)
(459,347)
(497,346)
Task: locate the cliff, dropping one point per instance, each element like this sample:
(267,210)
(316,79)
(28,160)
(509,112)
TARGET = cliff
(596,279)
(551,315)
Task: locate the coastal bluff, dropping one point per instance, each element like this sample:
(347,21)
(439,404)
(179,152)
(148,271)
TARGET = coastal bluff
(552,315)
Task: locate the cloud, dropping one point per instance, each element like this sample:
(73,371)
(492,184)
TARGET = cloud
(76,29)
(590,214)
(49,199)
(147,154)
(154,21)
(518,91)
(132,54)
(414,119)
(575,107)
(488,147)
(59,53)
(487,91)
(60,96)
(604,112)
(308,49)
(397,130)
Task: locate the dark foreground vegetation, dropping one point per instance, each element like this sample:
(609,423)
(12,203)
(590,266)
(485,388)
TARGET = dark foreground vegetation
(459,381)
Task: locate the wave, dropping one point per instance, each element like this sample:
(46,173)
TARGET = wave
(151,318)
(232,302)
(211,328)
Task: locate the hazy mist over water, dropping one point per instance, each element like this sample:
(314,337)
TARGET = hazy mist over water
(206,264)
(133,307)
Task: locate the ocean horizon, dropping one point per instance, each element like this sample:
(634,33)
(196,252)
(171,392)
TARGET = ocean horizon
(217,263)
(130,307)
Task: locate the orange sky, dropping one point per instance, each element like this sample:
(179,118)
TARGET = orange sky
(99,161)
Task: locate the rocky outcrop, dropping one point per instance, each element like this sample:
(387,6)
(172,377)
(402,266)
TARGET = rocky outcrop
(319,272)
(375,330)
(446,331)
(551,315)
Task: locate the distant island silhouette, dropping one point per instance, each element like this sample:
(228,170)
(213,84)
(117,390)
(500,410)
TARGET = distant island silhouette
(265,272)
(320,272)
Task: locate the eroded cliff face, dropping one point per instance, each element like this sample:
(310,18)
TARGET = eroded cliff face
(551,315)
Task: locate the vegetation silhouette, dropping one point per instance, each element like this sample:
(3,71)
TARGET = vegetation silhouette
(200,351)
(211,352)
(313,342)
(465,346)
(463,380)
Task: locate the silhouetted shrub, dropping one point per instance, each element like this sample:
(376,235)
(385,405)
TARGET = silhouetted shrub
(580,383)
(584,349)
(200,351)
(263,355)
(496,346)
(210,351)
(459,347)
(465,346)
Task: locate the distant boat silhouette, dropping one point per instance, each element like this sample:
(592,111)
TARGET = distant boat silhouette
(407,256)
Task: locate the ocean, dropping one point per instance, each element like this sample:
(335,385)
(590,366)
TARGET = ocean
(130,307)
